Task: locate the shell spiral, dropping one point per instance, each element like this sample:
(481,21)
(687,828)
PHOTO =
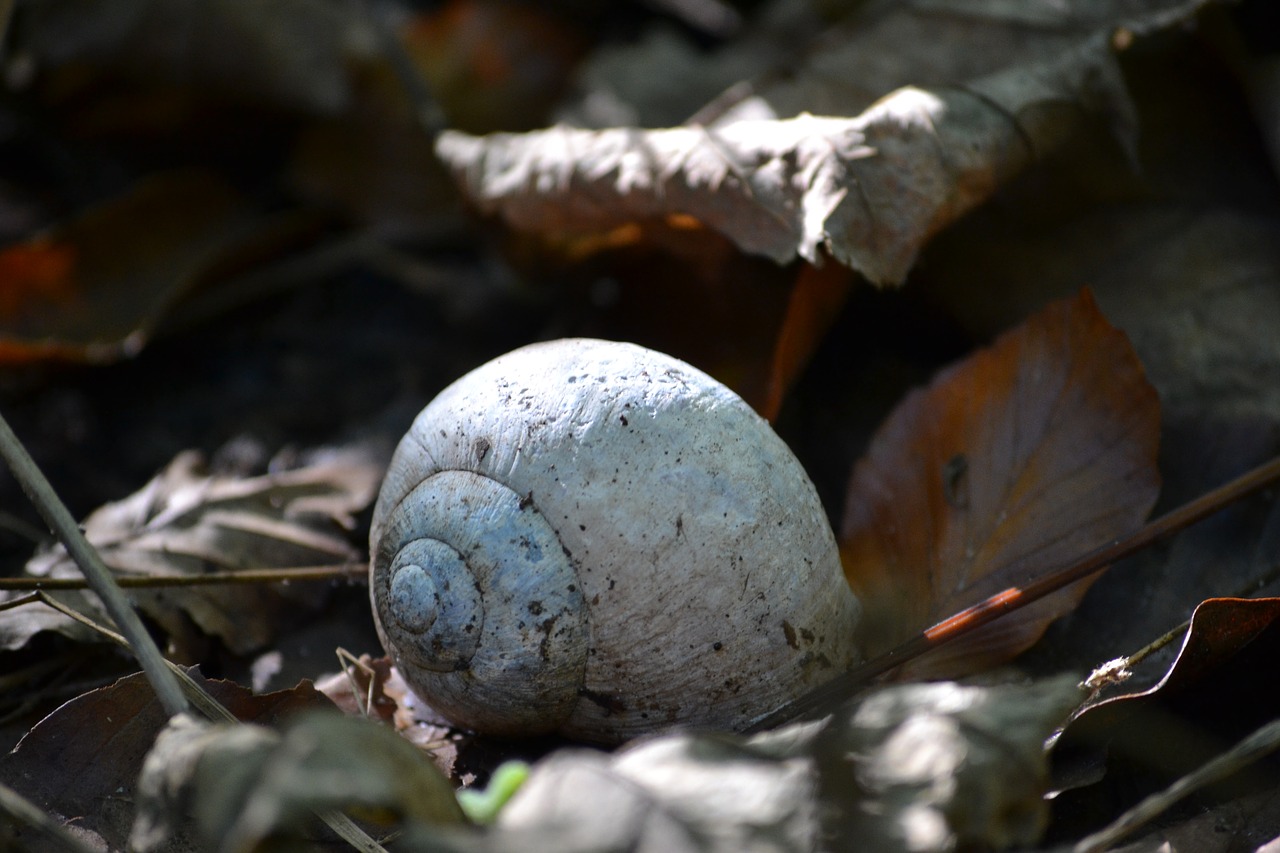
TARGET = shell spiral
(599,540)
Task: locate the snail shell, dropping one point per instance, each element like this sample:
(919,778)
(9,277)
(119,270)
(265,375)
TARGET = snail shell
(599,540)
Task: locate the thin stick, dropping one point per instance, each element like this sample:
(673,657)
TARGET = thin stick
(972,618)
(339,571)
(1262,742)
(55,514)
(26,812)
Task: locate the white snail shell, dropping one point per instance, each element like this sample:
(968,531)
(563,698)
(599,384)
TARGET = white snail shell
(599,540)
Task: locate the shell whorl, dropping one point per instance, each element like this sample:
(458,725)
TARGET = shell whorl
(482,600)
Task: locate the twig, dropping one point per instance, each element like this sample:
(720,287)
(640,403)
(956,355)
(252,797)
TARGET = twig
(55,514)
(972,618)
(1257,745)
(340,571)
(28,813)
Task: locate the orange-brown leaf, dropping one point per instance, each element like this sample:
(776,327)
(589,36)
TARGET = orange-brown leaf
(95,287)
(1016,460)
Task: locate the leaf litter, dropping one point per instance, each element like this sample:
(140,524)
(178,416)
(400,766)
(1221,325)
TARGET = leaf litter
(680,821)
(187,522)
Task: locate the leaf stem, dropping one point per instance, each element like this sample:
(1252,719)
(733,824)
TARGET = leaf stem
(847,684)
(99,578)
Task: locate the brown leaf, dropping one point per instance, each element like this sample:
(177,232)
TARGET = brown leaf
(1220,628)
(1020,458)
(94,288)
(1219,689)
(81,763)
(817,296)
(186,522)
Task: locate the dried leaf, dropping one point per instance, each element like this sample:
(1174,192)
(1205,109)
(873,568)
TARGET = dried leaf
(924,768)
(1220,629)
(381,693)
(942,766)
(185,522)
(870,190)
(883,46)
(1018,459)
(246,784)
(1219,689)
(817,296)
(289,53)
(95,288)
(81,763)
(679,793)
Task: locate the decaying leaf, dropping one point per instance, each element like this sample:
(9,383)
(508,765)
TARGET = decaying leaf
(187,522)
(1019,458)
(373,687)
(245,784)
(869,191)
(94,288)
(924,768)
(942,766)
(1219,631)
(81,763)
(287,54)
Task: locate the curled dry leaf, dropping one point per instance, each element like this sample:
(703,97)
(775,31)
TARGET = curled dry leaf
(1016,460)
(942,766)
(869,190)
(1220,630)
(247,784)
(187,522)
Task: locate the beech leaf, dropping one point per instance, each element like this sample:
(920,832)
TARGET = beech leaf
(1018,459)
(868,190)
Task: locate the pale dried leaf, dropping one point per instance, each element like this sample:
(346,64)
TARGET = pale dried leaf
(187,522)
(933,767)
(936,767)
(869,190)
(246,784)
